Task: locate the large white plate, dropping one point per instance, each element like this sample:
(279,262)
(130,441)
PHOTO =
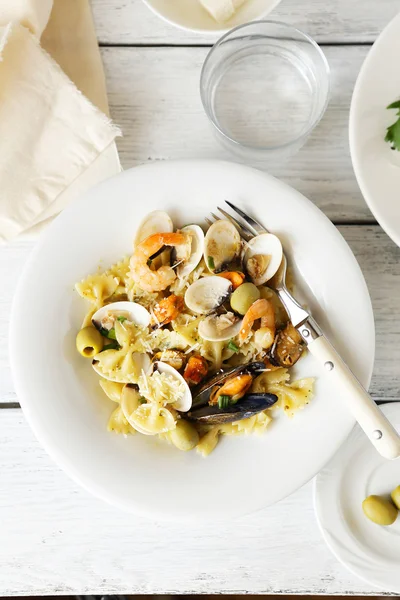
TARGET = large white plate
(357,471)
(376,166)
(60,393)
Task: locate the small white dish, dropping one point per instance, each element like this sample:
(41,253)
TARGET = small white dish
(369,551)
(376,166)
(60,393)
(191,16)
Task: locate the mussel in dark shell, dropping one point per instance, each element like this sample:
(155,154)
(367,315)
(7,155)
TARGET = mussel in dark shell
(247,407)
(226,397)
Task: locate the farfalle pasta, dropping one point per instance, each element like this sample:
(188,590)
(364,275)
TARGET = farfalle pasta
(187,346)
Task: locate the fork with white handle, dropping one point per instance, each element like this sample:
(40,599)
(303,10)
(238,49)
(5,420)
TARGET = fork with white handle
(370,418)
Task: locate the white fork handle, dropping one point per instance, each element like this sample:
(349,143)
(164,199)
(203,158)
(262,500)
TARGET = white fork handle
(370,418)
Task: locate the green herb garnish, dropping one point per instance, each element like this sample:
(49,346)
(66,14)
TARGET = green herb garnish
(149,262)
(112,346)
(232,346)
(393,132)
(210,262)
(142,400)
(108,333)
(224,401)
(121,318)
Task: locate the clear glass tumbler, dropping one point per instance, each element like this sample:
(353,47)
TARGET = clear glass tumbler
(264,87)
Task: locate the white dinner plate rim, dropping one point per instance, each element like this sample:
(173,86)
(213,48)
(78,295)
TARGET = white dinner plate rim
(372,203)
(56,453)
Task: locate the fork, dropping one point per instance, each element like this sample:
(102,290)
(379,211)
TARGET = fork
(370,418)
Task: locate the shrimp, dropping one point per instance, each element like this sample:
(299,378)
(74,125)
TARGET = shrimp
(148,280)
(260,309)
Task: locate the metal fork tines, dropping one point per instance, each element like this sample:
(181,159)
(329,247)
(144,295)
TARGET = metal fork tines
(250,229)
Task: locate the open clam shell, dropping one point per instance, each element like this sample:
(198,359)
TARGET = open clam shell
(222,245)
(214,329)
(262,257)
(185,402)
(132,311)
(208,293)
(196,251)
(157,221)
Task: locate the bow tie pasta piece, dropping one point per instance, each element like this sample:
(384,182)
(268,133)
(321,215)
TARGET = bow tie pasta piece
(212,351)
(255,424)
(153,419)
(112,389)
(120,271)
(263,382)
(97,288)
(121,366)
(118,423)
(294,396)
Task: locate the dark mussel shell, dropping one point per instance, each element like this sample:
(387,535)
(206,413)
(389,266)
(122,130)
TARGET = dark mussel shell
(247,407)
(202,394)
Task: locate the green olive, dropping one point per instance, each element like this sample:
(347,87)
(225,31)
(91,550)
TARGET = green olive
(379,510)
(184,436)
(243,297)
(89,342)
(396,496)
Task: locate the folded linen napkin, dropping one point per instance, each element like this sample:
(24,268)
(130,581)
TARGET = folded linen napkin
(54,141)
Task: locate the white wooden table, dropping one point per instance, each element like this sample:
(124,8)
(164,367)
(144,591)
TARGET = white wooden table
(54,537)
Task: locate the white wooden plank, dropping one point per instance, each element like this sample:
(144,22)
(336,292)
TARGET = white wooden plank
(379,259)
(58,539)
(131,22)
(154,96)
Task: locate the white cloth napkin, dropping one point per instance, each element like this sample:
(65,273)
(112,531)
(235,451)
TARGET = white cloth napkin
(54,142)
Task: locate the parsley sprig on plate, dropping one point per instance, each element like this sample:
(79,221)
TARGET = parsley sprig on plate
(393,132)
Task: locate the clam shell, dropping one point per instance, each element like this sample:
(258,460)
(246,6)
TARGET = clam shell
(266,244)
(221,245)
(157,221)
(134,312)
(208,330)
(207,293)
(196,251)
(185,402)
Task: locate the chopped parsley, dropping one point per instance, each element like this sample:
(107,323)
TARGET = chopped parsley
(121,318)
(224,401)
(393,132)
(112,346)
(108,333)
(210,262)
(232,346)
(142,400)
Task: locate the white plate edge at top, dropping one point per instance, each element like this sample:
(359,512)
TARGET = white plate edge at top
(370,201)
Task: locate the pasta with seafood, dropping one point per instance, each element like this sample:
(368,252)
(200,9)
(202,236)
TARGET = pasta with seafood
(189,341)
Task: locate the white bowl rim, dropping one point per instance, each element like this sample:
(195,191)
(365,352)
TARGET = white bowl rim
(217,31)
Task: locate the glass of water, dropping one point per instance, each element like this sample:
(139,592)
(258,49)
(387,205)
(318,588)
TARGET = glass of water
(264,87)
